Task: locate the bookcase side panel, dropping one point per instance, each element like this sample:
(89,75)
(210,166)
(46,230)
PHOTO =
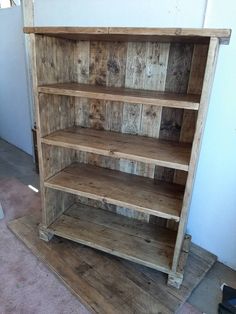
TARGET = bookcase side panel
(202,113)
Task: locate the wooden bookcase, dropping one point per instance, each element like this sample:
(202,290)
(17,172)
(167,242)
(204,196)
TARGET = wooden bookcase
(120,116)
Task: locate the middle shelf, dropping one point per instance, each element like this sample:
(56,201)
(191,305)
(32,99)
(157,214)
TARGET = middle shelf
(122,189)
(148,97)
(137,148)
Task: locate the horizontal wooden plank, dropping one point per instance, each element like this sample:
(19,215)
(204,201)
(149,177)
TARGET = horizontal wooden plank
(134,33)
(147,97)
(126,190)
(128,238)
(133,147)
(105,284)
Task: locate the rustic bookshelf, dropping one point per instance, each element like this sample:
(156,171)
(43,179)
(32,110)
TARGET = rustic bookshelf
(120,115)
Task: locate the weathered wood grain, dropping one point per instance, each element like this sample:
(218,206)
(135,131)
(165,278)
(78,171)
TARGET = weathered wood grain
(129,95)
(117,235)
(113,144)
(135,192)
(205,96)
(107,284)
(134,33)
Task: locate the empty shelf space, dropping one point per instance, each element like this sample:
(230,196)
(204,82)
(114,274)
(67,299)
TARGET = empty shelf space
(147,97)
(127,190)
(138,148)
(137,241)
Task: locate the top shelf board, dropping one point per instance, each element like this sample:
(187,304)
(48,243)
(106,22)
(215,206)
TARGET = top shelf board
(195,35)
(146,97)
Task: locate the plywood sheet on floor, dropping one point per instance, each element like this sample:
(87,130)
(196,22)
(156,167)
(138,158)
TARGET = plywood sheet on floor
(106,284)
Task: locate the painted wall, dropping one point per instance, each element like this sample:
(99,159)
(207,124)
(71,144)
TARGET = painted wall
(15,125)
(212,221)
(213,209)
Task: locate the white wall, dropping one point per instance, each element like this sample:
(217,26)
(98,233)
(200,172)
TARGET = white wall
(212,221)
(15,125)
(119,13)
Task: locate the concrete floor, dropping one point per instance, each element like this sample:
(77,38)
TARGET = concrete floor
(205,298)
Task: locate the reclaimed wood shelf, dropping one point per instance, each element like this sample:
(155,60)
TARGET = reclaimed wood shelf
(109,232)
(192,35)
(120,118)
(146,97)
(138,148)
(122,189)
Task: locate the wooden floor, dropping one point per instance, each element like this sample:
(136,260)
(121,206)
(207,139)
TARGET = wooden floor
(107,284)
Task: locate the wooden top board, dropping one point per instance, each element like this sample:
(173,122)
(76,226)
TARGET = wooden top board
(122,189)
(134,33)
(146,97)
(139,148)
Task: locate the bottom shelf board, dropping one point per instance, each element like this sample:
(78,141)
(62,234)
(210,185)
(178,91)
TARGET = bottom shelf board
(107,284)
(132,239)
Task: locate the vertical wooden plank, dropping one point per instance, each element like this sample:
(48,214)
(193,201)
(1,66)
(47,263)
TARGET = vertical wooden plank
(197,69)
(55,60)
(116,69)
(56,113)
(171,124)
(156,61)
(97,114)
(98,62)
(131,118)
(81,61)
(194,87)
(56,203)
(33,43)
(179,64)
(116,63)
(150,121)
(56,158)
(204,102)
(114,115)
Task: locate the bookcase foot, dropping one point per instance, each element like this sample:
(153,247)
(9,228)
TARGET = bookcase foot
(44,234)
(175,280)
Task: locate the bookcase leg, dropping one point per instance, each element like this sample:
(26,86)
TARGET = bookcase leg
(175,280)
(44,234)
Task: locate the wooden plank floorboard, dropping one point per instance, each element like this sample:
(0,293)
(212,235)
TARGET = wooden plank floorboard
(138,148)
(122,189)
(106,284)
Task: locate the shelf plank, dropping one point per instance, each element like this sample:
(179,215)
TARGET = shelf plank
(126,190)
(138,148)
(196,35)
(147,97)
(137,241)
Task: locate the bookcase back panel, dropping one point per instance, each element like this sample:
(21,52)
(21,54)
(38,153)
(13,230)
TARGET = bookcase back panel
(173,67)
(56,113)
(56,203)
(56,158)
